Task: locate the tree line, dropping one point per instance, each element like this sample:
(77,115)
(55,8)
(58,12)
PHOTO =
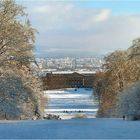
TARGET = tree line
(117,86)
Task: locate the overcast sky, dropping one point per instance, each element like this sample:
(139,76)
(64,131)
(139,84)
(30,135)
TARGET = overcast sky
(83,27)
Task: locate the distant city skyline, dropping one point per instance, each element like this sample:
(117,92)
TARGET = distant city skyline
(70,65)
(77,28)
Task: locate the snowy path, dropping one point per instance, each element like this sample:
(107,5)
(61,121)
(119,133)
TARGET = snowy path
(72,129)
(67,103)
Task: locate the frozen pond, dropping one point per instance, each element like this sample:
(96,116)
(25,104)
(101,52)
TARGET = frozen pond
(69,103)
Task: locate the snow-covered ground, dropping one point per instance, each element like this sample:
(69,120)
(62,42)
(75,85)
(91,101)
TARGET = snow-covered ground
(69,103)
(72,129)
(77,71)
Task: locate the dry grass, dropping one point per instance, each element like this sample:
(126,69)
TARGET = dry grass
(80,116)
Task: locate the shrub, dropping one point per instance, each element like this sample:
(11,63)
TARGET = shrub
(129,102)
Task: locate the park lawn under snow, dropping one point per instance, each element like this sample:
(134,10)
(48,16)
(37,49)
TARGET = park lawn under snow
(68,103)
(96,128)
(72,101)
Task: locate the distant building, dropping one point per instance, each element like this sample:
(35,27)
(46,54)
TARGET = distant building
(68,80)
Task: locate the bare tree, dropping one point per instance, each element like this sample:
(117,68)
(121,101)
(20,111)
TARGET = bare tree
(122,68)
(16,37)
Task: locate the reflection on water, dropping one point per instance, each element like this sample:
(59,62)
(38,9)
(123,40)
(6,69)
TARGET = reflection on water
(69,102)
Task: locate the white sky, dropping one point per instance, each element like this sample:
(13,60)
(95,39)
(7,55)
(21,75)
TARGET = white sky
(83,28)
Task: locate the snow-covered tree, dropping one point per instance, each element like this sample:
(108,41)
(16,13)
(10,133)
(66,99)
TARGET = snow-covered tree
(17,38)
(129,102)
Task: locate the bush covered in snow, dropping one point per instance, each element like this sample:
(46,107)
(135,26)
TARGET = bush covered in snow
(129,102)
(16,100)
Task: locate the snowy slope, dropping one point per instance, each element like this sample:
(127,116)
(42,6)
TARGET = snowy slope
(72,129)
(68,103)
